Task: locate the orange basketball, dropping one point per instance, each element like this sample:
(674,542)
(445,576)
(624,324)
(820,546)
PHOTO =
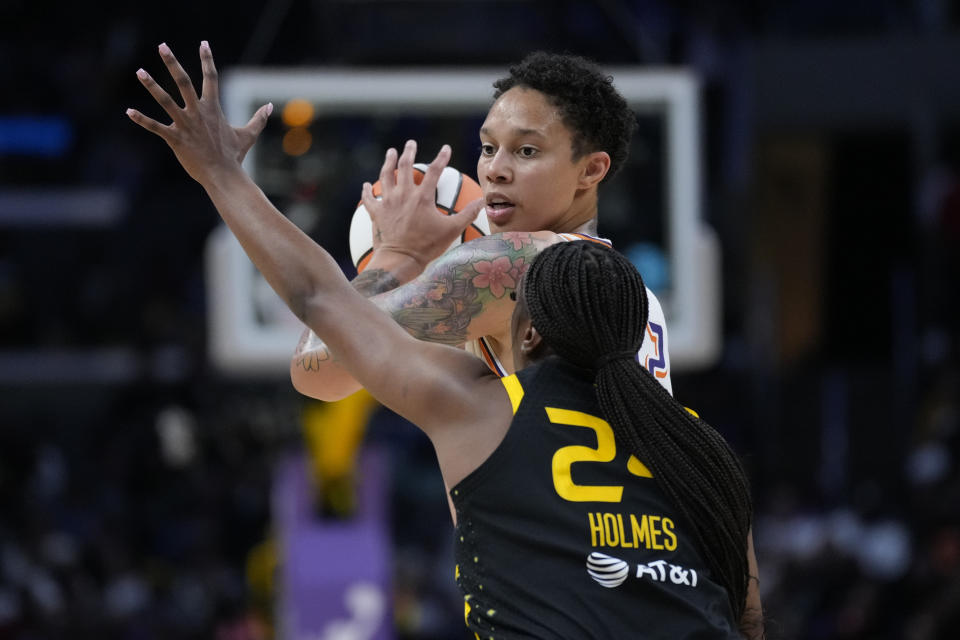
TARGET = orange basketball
(455,190)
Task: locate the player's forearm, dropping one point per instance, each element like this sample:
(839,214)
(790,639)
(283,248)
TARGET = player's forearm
(301,272)
(314,371)
(291,262)
(751,624)
(462,295)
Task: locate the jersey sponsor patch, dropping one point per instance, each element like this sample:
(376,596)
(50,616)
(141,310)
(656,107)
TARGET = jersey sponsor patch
(610,572)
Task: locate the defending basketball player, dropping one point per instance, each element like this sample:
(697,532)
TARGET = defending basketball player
(557,130)
(648,535)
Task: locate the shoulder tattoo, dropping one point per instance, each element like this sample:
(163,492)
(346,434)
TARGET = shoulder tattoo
(440,304)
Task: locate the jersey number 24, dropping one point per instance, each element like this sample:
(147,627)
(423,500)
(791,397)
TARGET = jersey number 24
(605,452)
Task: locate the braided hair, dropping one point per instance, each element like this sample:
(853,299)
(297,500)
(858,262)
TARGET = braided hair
(596,320)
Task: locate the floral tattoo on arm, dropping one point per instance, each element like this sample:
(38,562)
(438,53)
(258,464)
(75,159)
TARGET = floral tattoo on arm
(440,305)
(311,351)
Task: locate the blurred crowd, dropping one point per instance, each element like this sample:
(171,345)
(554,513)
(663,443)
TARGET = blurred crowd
(138,513)
(135,480)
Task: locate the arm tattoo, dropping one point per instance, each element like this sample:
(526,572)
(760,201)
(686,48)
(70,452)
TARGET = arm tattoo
(373,281)
(440,305)
(311,352)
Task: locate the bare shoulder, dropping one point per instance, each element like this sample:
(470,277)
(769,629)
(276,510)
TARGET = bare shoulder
(465,293)
(464,444)
(507,241)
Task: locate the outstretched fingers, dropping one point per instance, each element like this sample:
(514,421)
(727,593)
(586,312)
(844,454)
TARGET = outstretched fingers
(200,135)
(159,94)
(184,84)
(211,83)
(256,125)
(148,123)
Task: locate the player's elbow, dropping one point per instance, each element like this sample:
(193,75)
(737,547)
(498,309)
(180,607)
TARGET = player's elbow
(315,379)
(297,375)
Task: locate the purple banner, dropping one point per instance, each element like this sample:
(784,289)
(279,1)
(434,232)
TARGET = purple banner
(334,575)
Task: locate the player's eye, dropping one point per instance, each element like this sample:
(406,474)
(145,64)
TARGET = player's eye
(486,149)
(527,152)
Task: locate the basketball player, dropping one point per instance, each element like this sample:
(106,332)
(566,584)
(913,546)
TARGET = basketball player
(557,130)
(588,502)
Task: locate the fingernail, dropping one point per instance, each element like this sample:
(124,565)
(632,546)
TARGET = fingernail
(410,143)
(129,112)
(141,74)
(164,49)
(445,147)
(204,44)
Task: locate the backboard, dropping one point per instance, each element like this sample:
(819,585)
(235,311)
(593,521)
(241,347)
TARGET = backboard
(312,168)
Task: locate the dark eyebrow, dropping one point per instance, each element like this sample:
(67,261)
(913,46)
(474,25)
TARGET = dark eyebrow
(518,132)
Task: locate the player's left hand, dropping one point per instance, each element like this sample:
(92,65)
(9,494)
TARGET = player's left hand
(200,136)
(405,218)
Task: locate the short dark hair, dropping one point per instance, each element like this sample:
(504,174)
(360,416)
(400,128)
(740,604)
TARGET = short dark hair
(598,116)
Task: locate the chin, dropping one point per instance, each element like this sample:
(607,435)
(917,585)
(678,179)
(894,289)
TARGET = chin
(509,225)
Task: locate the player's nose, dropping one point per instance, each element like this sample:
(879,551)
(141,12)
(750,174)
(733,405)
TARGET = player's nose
(497,167)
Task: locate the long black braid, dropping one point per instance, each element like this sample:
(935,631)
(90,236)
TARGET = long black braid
(596,319)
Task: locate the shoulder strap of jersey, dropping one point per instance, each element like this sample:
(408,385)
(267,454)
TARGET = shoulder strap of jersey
(490,357)
(585,236)
(514,389)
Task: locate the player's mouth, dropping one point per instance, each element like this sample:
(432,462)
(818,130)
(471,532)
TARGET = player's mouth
(499,209)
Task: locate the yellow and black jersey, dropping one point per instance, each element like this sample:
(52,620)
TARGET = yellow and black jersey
(561,533)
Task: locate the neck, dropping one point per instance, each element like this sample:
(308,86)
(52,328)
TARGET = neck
(589,227)
(582,215)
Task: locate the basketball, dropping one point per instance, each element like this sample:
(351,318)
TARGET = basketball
(455,190)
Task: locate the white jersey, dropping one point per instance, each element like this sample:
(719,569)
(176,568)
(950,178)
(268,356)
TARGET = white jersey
(653,352)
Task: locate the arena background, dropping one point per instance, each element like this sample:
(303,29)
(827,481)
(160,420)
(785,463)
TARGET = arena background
(136,478)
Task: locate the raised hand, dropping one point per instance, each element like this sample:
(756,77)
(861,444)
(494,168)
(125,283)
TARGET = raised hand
(405,219)
(200,136)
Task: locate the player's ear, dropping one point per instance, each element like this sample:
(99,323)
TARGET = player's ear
(530,341)
(594,168)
